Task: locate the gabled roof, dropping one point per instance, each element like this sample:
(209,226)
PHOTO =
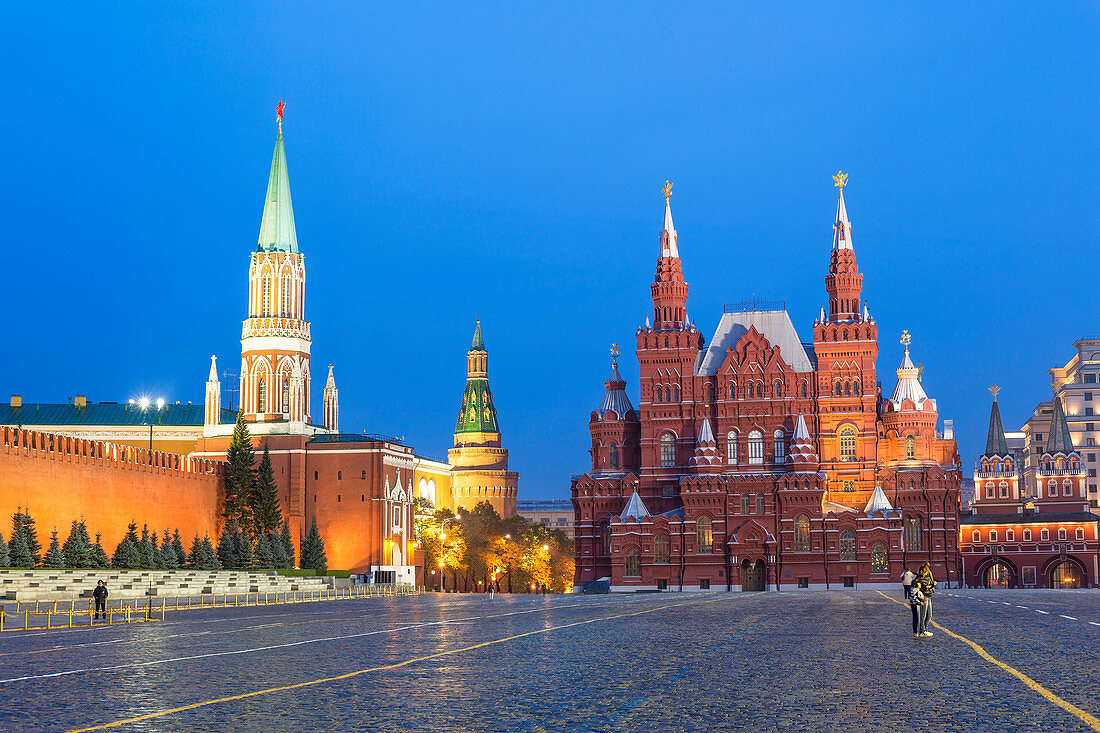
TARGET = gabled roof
(878,502)
(1059,440)
(277,232)
(635,509)
(995,443)
(107,413)
(775,326)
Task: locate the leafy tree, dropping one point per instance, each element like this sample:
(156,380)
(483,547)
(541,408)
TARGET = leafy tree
(288,544)
(22,523)
(177,545)
(54,557)
(128,552)
(168,552)
(313,550)
(240,476)
(98,554)
(267,516)
(78,548)
(5,555)
(20,554)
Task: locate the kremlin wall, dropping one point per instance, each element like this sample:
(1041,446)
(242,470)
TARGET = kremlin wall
(84,460)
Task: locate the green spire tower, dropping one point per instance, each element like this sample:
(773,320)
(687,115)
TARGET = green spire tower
(277,226)
(481,464)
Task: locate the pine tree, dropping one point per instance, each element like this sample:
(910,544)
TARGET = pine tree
(77,549)
(246,556)
(22,523)
(167,552)
(240,476)
(128,553)
(263,553)
(227,547)
(287,543)
(5,556)
(313,550)
(177,545)
(156,557)
(267,516)
(145,548)
(20,554)
(99,555)
(194,557)
(278,551)
(210,558)
(54,557)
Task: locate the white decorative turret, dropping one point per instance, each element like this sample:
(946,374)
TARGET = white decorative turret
(331,404)
(802,457)
(909,386)
(213,412)
(706,458)
(821,316)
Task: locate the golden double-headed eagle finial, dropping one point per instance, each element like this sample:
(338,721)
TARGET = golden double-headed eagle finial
(993,390)
(840,180)
(667,188)
(906,339)
(614,352)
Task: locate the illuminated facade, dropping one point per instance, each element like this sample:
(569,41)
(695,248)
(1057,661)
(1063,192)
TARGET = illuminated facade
(759,461)
(1035,533)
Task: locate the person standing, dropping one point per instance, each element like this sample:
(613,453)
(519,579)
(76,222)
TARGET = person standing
(924,585)
(906,589)
(100,596)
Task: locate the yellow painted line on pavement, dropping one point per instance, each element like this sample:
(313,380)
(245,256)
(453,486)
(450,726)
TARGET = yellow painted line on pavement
(1088,718)
(381,668)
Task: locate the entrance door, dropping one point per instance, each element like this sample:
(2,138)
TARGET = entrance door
(996,576)
(1065,574)
(752,576)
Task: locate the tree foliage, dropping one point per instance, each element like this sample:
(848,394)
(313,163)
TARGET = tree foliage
(54,557)
(240,477)
(267,515)
(313,550)
(78,547)
(22,526)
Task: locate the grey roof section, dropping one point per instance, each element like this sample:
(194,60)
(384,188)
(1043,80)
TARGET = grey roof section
(878,502)
(107,413)
(995,443)
(1059,440)
(615,398)
(635,509)
(775,326)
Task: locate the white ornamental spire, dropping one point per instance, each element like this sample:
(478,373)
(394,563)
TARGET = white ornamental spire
(213,404)
(842,228)
(668,232)
(331,403)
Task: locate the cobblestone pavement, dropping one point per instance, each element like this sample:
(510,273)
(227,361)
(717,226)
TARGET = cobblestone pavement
(789,661)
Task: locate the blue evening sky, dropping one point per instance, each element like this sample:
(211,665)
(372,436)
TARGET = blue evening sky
(506,159)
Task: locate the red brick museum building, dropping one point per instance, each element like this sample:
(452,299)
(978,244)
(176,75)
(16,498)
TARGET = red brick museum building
(756,461)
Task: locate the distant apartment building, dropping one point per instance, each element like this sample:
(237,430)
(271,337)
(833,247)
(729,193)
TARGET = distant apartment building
(555,514)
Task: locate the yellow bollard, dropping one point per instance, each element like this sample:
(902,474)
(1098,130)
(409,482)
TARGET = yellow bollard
(70,618)
(49,619)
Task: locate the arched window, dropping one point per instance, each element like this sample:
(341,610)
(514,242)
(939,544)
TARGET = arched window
(1044,536)
(848,545)
(910,448)
(1027,535)
(801,389)
(756,448)
(285,406)
(912,533)
(837,388)
(802,533)
(880,561)
(855,388)
(746,504)
(1052,488)
(1079,534)
(666,342)
(989,491)
(668,450)
(760,504)
(779,447)
(261,396)
(977,536)
(613,456)
(676,393)
(708,392)
(633,563)
(752,389)
(992,535)
(606,537)
(777,389)
(847,389)
(265,296)
(847,443)
(704,536)
(1061,533)
(1067,488)
(285,288)
(1004,489)
(660,548)
(657,393)
(731,447)
(1010,535)
(733,390)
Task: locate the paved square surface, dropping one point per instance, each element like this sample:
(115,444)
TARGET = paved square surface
(789,661)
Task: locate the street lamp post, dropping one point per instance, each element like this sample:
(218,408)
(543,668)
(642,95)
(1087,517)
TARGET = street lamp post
(443,545)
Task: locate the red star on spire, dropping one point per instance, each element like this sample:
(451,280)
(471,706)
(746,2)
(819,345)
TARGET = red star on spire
(279,111)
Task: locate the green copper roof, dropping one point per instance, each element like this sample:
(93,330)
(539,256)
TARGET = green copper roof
(477,414)
(995,443)
(107,413)
(277,227)
(1059,440)
(478,344)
